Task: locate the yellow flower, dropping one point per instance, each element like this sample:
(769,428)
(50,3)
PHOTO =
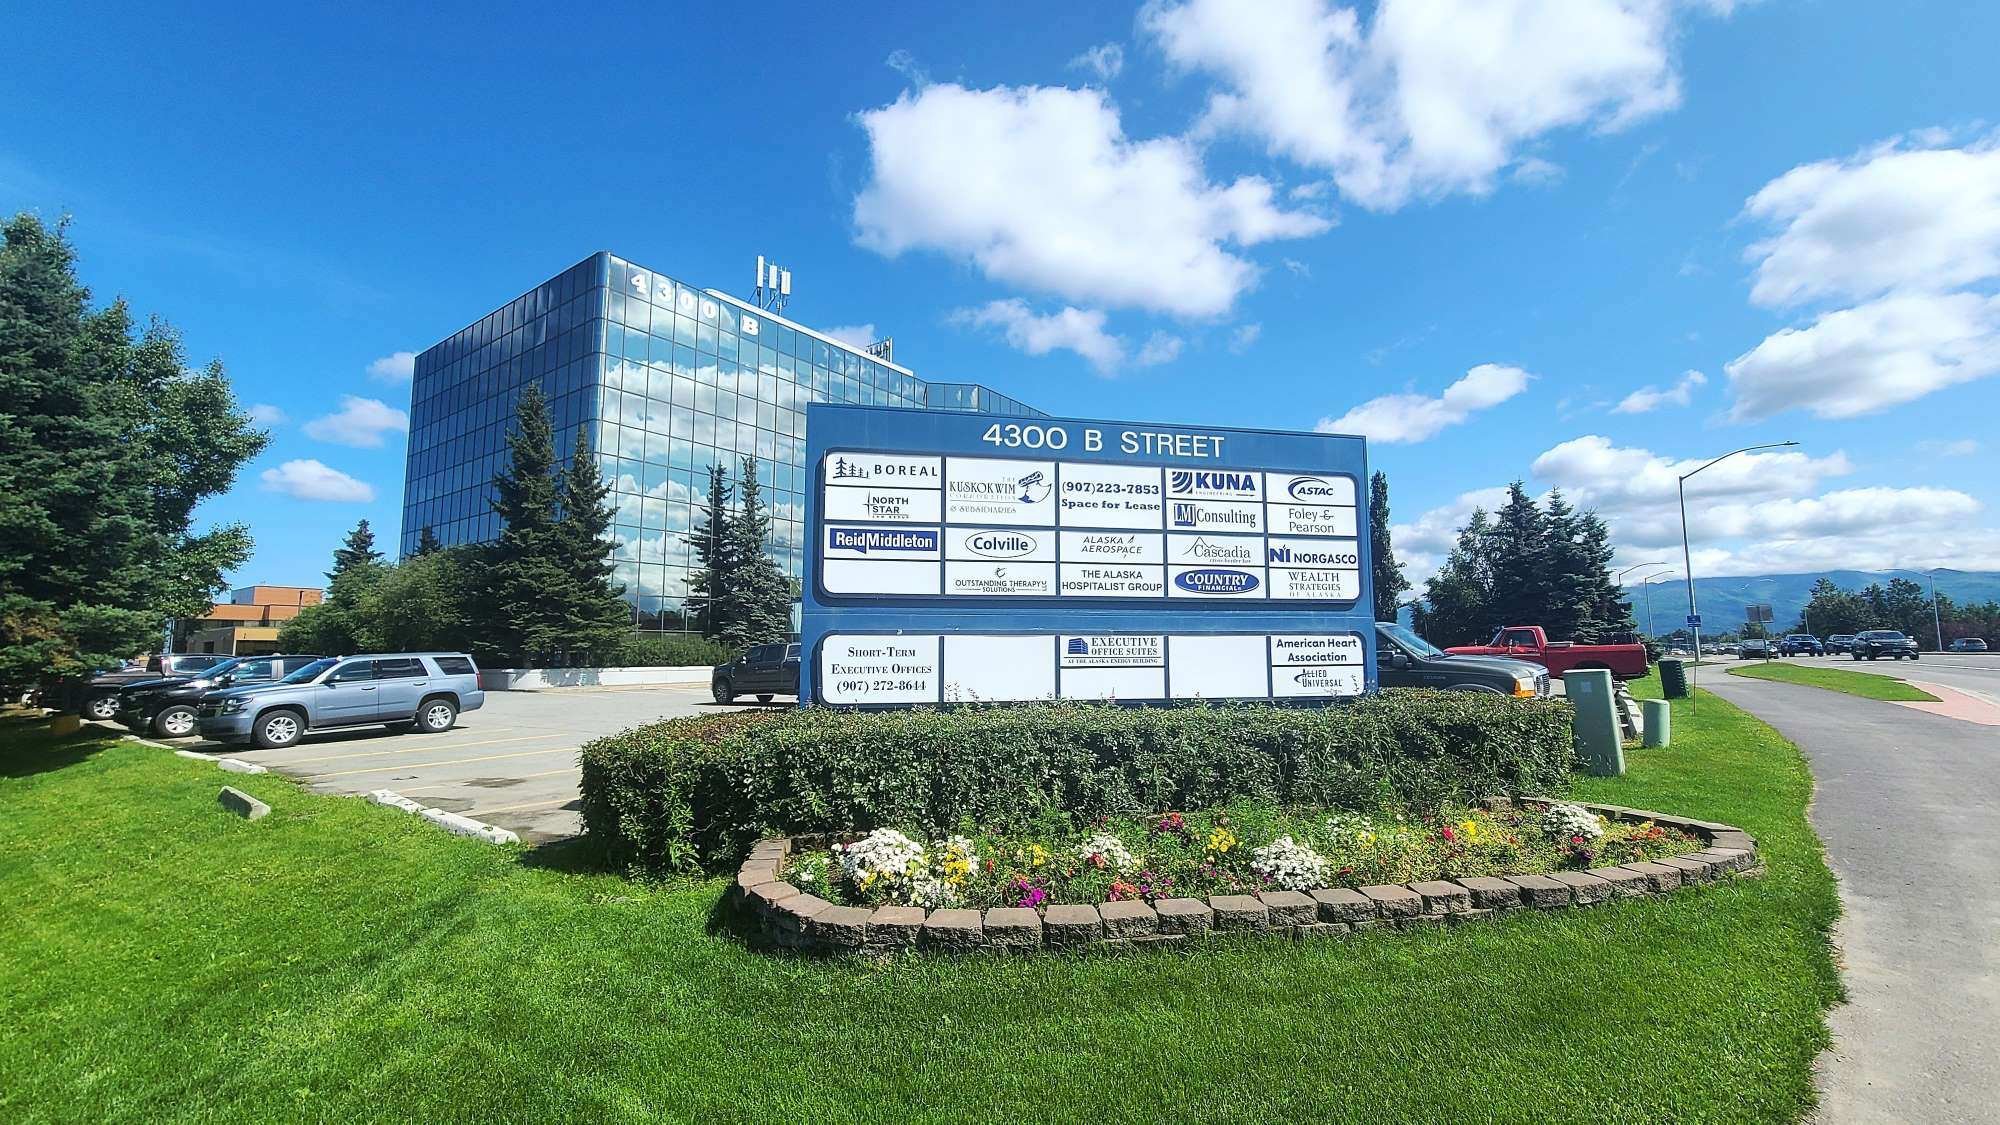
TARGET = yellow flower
(1471,830)
(1221,840)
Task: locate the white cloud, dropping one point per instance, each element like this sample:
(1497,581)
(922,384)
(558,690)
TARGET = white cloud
(905,64)
(1894,219)
(1649,398)
(1938,447)
(1414,417)
(396,367)
(359,422)
(1298,269)
(1040,187)
(1595,473)
(1857,361)
(1245,337)
(264,414)
(859,335)
(1536,171)
(1160,347)
(1104,60)
(1430,96)
(310,480)
(1072,329)
(1422,544)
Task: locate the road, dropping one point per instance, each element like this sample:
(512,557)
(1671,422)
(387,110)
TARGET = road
(1908,804)
(1975,675)
(512,763)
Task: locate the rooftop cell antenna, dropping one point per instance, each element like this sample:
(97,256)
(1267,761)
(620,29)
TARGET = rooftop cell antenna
(774,286)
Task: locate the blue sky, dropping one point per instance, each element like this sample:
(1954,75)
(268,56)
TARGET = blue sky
(1473,236)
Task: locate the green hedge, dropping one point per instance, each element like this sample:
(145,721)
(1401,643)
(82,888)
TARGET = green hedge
(691,794)
(672,651)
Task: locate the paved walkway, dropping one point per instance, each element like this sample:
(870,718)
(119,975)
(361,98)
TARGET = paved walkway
(1909,806)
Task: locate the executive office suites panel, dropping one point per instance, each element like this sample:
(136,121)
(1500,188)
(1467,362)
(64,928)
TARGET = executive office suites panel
(1004,538)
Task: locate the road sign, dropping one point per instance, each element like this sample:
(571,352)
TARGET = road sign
(959,557)
(1694,621)
(1757,613)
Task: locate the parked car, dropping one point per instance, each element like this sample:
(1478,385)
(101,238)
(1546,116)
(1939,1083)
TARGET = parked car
(763,671)
(1403,659)
(421,691)
(1878,643)
(1968,644)
(1754,649)
(1530,643)
(100,696)
(1730,649)
(1801,644)
(1840,642)
(167,707)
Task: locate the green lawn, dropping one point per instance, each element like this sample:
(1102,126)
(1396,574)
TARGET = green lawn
(1867,684)
(341,961)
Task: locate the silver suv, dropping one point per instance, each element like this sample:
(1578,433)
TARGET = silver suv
(422,691)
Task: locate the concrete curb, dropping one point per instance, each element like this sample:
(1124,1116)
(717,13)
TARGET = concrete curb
(449,821)
(242,804)
(238,765)
(787,919)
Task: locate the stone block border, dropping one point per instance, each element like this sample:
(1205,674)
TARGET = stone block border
(782,917)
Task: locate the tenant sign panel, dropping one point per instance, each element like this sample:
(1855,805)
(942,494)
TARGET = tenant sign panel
(960,557)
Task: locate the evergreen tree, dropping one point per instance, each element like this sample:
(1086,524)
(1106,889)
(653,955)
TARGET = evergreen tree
(1518,556)
(427,542)
(1609,617)
(1570,579)
(759,595)
(527,570)
(357,550)
(1390,585)
(1458,602)
(108,442)
(600,619)
(715,559)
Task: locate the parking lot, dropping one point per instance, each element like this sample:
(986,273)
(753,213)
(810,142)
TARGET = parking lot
(512,763)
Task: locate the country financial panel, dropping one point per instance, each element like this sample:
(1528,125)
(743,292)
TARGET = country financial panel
(901,525)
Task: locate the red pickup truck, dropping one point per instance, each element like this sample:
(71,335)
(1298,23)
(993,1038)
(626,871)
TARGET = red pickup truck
(1528,642)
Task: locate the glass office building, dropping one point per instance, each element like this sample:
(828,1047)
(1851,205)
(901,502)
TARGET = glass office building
(667,380)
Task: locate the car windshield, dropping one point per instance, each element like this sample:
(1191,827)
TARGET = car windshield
(310,672)
(1407,641)
(221,669)
(1882,635)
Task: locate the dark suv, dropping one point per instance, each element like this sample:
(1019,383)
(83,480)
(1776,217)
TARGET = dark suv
(762,671)
(1800,644)
(167,707)
(100,698)
(1878,643)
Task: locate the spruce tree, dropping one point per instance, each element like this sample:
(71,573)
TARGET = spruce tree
(427,542)
(1390,585)
(358,549)
(109,439)
(759,594)
(1459,599)
(715,559)
(1518,554)
(1610,616)
(527,572)
(1569,612)
(600,619)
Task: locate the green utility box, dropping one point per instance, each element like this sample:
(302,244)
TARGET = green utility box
(1674,679)
(1658,721)
(1597,736)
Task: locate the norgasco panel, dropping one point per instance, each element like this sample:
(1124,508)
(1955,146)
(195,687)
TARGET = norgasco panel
(962,558)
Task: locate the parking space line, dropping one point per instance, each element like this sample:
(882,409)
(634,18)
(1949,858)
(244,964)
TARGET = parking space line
(446,762)
(555,803)
(412,749)
(510,777)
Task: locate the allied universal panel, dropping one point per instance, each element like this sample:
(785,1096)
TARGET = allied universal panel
(955,558)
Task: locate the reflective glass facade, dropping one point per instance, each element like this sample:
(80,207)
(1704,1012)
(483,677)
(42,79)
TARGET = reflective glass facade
(668,380)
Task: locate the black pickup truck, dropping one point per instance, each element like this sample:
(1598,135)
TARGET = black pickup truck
(100,697)
(1403,659)
(1877,644)
(762,671)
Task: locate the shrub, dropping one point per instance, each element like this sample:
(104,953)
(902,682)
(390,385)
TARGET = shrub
(675,651)
(693,793)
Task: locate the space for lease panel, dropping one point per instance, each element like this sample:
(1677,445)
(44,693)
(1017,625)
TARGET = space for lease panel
(955,527)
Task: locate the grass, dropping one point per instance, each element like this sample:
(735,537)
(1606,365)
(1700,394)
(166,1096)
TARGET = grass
(340,961)
(1870,685)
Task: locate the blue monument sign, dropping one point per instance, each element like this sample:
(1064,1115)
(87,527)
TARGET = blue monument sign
(959,558)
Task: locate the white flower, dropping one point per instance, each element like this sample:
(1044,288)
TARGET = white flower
(1564,821)
(1106,850)
(1348,828)
(1290,865)
(884,854)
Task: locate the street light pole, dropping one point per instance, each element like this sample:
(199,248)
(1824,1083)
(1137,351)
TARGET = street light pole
(1646,584)
(1937,619)
(1687,555)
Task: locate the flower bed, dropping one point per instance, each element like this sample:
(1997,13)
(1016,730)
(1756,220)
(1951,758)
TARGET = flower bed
(890,891)
(1246,848)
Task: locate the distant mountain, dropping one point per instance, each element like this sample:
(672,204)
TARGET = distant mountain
(1722,600)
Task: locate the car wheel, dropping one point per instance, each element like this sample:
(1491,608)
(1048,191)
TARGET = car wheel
(763,697)
(174,722)
(1914,656)
(436,716)
(103,708)
(723,691)
(276,730)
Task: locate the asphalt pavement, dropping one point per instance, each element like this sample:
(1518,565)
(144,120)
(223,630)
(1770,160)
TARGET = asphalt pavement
(512,763)
(1908,804)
